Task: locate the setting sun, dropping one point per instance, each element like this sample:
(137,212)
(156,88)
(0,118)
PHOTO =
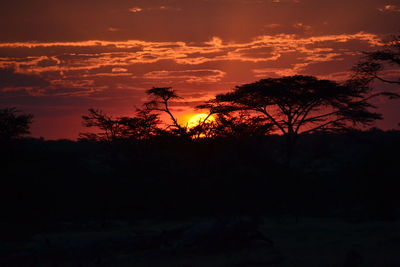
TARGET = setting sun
(199,118)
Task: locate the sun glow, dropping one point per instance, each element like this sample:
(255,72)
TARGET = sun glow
(199,118)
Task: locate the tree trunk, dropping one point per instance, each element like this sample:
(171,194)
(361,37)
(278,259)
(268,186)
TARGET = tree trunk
(290,145)
(290,149)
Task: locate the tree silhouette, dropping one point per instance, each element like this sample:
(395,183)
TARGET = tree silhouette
(110,127)
(142,126)
(374,63)
(203,129)
(160,98)
(14,125)
(298,105)
(237,125)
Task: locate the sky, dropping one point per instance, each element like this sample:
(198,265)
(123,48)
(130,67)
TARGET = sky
(60,58)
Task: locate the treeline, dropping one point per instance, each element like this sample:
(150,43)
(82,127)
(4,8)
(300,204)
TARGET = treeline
(291,106)
(351,176)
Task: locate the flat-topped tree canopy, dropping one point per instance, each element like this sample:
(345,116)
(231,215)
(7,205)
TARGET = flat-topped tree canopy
(159,101)
(298,105)
(303,104)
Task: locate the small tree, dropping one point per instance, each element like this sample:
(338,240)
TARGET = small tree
(14,125)
(160,98)
(299,105)
(110,128)
(143,126)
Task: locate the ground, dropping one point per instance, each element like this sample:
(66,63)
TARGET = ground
(309,242)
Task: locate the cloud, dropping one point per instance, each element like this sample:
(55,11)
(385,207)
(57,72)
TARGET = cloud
(115,74)
(103,64)
(189,76)
(62,91)
(10,78)
(301,26)
(272,25)
(215,41)
(48,62)
(112,29)
(119,70)
(389,8)
(136,9)
(158,8)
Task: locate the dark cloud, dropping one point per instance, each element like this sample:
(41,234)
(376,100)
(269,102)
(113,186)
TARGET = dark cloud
(10,78)
(48,62)
(69,92)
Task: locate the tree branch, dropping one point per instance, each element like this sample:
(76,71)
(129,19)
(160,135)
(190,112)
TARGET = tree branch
(386,81)
(322,126)
(264,111)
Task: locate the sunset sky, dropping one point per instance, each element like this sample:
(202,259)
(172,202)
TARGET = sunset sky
(59,58)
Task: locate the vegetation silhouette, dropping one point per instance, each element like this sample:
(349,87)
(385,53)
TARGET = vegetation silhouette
(14,125)
(295,106)
(292,105)
(300,105)
(142,126)
(160,98)
(374,64)
(229,125)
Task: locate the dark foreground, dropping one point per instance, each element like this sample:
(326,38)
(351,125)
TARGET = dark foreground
(150,203)
(280,242)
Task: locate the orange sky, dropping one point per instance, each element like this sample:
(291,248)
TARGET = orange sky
(59,58)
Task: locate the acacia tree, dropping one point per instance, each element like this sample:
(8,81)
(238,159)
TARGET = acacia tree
(373,64)
(14,125)
(299,105)
(143,126)
(160,98)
